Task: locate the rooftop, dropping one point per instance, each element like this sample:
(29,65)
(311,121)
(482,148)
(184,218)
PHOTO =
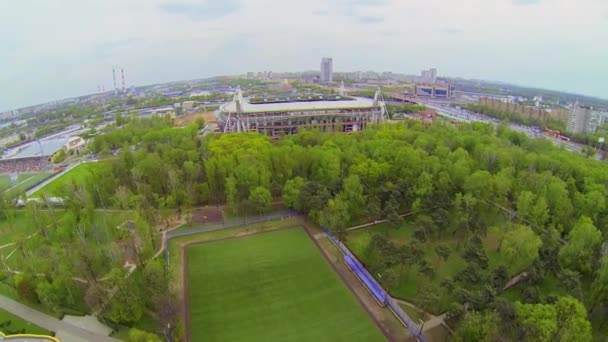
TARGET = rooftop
(350,103)
(43,147)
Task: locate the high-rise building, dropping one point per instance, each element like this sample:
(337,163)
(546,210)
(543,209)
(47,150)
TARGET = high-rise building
(581,120)
(327,69)
(428,76)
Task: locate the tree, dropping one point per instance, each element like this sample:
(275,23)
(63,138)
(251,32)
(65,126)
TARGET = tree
(291,193)
(426,269)
(582,243)
(474,252)
(260,198)
(571,281)
(60,156)
(127,305)
(532,208)
(391,211)
(443,251)
(572,321)
(26,288)
(136,335)
(539,321)
(352,193)
(599,287)
(500,277)
(231,193)
(477,327)
(454,314)
(428,298)
(520,246)
(334,216)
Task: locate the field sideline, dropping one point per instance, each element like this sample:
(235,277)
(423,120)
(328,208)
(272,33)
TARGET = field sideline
(77,175)
(24,181)
(268,287)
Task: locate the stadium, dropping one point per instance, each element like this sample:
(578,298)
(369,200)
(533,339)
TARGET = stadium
(26,165)
(337,114)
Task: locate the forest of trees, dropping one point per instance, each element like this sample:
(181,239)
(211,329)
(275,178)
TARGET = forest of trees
(463,180)
(547,206)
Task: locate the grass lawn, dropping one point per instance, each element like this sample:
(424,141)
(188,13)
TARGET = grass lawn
(24,181)
(411,280)
(17,324)
(77,175)
(271,287)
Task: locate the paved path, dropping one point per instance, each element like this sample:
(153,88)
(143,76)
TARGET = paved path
(51,323)
(376,222)
(430,323)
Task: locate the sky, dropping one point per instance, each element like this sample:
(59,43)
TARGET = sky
(51,50)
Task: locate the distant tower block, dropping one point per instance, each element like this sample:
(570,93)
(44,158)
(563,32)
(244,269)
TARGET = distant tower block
(114,80)
(122,76)
(341,91)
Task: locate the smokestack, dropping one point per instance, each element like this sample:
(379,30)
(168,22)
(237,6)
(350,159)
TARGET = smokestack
(114,79)
(122,75)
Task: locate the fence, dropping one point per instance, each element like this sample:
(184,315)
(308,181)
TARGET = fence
(375,288)
(279,215)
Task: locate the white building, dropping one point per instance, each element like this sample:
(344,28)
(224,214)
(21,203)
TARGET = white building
(74,144)
(433,75)
(585,120)
(327,70)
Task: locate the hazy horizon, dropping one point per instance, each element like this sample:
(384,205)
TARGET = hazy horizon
(54,50)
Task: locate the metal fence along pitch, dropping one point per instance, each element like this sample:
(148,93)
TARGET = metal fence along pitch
(374,287)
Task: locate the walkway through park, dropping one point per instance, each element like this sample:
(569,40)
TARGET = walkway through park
(66,332)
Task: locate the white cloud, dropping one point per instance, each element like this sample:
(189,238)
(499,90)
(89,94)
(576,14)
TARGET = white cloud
(50,50)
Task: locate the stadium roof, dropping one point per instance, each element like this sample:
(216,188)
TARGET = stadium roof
(353,103)
(45,147)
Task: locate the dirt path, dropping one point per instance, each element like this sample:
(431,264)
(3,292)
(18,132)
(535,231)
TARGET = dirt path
(515,280)
(375,222)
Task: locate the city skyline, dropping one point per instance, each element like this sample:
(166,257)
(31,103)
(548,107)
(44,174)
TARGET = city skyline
(45,58)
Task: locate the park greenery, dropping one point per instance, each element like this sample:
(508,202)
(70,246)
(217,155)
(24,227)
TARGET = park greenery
(488,207)
(404,108)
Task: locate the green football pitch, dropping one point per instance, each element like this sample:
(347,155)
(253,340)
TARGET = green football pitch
(23,182)
(271,287)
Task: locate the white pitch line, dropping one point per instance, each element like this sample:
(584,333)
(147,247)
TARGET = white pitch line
(16,185)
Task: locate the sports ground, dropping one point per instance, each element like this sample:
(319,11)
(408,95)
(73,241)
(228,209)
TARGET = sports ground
(272,286)
(23,182)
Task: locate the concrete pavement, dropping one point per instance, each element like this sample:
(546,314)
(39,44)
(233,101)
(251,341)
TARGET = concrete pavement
(66,332)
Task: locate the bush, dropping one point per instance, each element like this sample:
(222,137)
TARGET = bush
(26,289)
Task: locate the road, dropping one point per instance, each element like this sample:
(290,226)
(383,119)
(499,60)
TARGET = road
(70,333)
(445,110)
